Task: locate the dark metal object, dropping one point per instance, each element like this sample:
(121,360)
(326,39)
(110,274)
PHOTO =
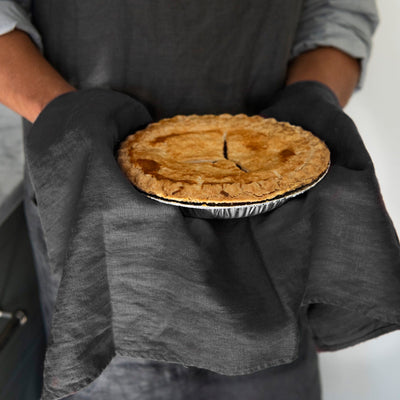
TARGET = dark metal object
(16,319)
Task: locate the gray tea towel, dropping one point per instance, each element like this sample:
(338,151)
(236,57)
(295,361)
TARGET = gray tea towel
(141,279)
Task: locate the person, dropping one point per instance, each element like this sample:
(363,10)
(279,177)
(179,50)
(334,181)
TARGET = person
(331,59)
(180,58)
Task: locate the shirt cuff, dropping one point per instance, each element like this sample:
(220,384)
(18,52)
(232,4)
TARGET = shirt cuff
(343,24)
(12,16)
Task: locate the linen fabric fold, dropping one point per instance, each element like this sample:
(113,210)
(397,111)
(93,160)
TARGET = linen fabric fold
(354,263)
(141,279)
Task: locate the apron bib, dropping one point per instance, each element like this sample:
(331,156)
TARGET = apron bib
(176,57)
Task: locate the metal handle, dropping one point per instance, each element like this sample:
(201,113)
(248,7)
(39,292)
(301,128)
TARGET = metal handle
(16,319)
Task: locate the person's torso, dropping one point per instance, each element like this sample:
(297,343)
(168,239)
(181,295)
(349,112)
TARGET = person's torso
(177,56)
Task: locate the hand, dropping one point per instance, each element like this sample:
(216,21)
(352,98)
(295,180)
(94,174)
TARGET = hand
(314,107)
(330,66)
(353,254)
(90,117)
(27,81)
(71,148)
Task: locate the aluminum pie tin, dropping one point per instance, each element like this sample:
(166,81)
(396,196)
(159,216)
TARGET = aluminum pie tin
(211,211)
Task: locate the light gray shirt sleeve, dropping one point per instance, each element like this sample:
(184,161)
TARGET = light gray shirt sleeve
(347,25)
(15,14)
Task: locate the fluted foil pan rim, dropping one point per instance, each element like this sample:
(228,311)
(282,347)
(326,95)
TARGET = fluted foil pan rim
(235,211)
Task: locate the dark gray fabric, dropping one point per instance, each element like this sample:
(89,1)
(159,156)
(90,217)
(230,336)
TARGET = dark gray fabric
(127,378)
(176,57)
(354,260)
(348,26)
(161,286)
(140,279)
(48,280)
(149,380)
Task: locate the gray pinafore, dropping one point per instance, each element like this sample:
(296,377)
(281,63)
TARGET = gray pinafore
(177,57)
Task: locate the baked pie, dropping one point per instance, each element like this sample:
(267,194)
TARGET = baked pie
(222,159)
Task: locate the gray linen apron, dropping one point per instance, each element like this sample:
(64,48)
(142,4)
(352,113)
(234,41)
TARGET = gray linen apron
(177,57)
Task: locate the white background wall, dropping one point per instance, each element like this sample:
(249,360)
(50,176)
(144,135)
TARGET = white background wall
(371,371)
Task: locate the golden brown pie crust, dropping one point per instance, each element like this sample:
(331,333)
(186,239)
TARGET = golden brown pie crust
(222,159)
